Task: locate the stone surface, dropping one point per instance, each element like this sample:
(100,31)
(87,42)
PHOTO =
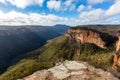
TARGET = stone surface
(118,44)
(72,70)
(116,64)
(86,36)
(116,60)
(73,65)
(60,71)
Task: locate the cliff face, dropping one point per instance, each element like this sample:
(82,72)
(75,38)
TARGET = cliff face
(71,70)
(85,35)
(116,64)
(118,44)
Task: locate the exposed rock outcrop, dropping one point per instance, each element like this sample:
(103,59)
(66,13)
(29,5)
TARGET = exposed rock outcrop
(116,64)
(71,70)
(118,44)
(86,35)
(116,60)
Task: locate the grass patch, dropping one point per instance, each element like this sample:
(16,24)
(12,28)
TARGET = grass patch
(24,68)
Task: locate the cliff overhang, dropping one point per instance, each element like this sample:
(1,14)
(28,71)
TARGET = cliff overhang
(86,35)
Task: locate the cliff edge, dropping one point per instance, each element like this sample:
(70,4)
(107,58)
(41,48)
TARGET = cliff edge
(88,35)
(71,70)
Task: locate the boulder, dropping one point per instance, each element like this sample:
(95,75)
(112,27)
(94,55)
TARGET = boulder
(72,70)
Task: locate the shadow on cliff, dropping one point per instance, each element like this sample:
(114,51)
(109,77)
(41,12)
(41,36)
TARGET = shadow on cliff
(105,36)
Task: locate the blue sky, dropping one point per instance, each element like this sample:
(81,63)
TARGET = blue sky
(52,12)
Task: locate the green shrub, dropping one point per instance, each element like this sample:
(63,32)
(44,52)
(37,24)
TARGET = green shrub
(24,68)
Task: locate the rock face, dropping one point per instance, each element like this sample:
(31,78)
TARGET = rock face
(85,35)
(71,70)
(118,44)
(116,60)
(116,64)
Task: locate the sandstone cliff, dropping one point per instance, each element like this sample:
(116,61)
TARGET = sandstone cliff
(89,35)
(71,70)
(118,44)
(116,64)
(85,35)
(101,39)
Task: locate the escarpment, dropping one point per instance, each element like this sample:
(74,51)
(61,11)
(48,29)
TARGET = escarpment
(116,64)
(118,44)
(87,35)
(79,44)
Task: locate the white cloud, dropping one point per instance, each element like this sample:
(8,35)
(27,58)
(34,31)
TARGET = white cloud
(18,18)
(20,3)
(39,2)
(23,3)
(69,5)
(80,8)
(68,2)
(114,9)
(112,20)
(95,1)
(1,12)
(2,1)
(93,15)
(100,15)
(53,4)
(85,8)
(88,16)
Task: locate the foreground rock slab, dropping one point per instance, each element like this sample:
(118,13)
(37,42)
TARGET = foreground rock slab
(72,70)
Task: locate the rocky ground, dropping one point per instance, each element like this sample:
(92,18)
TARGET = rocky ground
(71,70)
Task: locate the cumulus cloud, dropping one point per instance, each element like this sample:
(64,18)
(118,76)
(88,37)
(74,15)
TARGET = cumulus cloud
(114,9)
(68,2)
(84,8)
(100,15)
(39,2)
(2,1)
(53,4)
(93,15)
(80,8)
(95,1)
(88,15)
(69,5)
(23,3)
(18,18)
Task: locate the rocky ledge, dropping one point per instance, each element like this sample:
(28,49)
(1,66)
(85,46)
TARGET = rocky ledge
(71,70)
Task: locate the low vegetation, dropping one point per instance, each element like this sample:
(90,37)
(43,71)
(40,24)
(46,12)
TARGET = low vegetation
(59,49)
(100,59)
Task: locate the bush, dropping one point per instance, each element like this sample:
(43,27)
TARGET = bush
(24,68)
